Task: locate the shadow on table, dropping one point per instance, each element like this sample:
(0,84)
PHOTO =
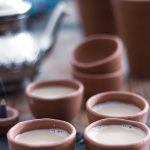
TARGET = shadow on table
(3,143)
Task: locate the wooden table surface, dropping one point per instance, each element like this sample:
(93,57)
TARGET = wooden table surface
(57,66)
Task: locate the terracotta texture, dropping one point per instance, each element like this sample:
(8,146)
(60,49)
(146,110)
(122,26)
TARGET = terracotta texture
(97,64)
(126,97)
(98,54)
(67,144)
(65,108)
(132,19)
(96,16)
(98,83)
(141,145)
(11,120)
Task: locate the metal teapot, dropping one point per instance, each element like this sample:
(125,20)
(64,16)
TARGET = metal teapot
(20,52)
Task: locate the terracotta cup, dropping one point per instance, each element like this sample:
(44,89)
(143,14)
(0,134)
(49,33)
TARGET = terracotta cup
(66,144)
(132,19)
(98,83)
(11,120)
(98,54)
(125,97)
(64,108)
(141,145)
(96,16)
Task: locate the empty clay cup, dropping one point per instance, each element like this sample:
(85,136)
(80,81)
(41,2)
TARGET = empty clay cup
(141,144)
(132,20)
(97,83)
(96,17)
(66,144)
(63,108)
(11,120)
(98,55)
(125,98)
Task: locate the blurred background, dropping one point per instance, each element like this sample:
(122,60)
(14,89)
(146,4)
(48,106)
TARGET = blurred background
(37,38)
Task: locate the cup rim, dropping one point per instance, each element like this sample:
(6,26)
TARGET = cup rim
(118,121)
(14,114)
(95,98)
(80,88)
(118,50)
(71,135)
(99,76)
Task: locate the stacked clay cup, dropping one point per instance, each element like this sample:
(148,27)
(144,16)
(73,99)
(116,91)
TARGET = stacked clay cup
(97,64)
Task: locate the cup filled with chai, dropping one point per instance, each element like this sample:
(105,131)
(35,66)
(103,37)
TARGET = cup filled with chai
(42,134)
(8,117)
(123,105)
(117,134)
(57,99)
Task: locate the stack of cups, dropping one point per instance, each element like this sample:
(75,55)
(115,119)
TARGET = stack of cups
(97,64)
(96,17)
(133,25)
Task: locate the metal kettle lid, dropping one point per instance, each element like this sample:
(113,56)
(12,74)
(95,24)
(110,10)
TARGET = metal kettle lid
(10,9)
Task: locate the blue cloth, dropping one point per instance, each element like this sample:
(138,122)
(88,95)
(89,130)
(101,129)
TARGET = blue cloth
(43,6)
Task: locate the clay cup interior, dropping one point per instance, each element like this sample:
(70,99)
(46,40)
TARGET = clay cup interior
(11,120)
(98,55)
(66,144)
(63,108)
(140,145)
(125,97)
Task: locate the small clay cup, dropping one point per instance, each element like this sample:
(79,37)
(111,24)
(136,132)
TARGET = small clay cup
(98,55)
(98,83)
(133,23)
(11,120)
(125,97)
(96,17)
(66,144)
(63,108)
(141,145)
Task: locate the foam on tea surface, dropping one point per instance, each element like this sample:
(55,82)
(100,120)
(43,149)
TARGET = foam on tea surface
(115,108)
(53,91)
(42,136)
(116,134)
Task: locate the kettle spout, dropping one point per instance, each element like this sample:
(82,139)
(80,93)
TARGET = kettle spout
(50,32)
